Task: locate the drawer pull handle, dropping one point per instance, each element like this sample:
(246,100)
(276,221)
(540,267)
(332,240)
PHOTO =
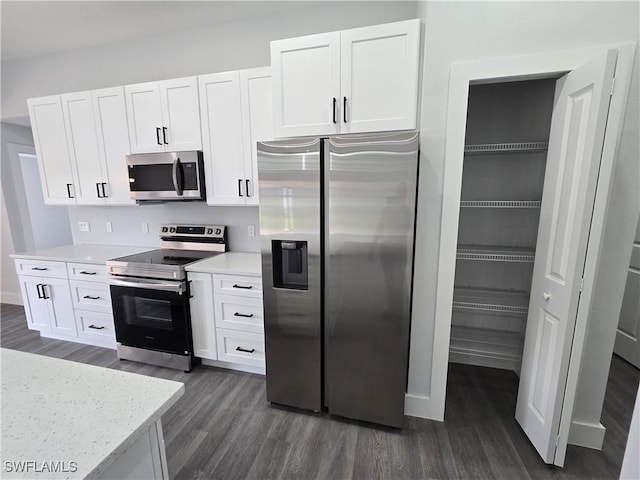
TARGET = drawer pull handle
(240,349)
(91,298)
(238,314)
(96,328)
(40,269)
(87,273)
(244,287)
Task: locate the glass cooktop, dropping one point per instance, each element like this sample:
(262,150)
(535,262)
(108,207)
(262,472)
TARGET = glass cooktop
(167,256)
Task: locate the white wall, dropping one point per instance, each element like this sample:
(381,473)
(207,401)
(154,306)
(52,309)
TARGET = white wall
(9,286)
(461,31)
(217,48)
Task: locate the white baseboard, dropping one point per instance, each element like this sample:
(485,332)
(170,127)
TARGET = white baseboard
(11,297)
(586,434)
(422,407)
(234,366)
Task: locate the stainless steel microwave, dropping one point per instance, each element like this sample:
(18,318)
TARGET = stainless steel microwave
(166,176)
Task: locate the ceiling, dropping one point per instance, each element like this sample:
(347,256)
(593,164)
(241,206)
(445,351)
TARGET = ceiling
(34,28)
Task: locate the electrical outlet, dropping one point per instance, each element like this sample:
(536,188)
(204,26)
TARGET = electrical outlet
(251,230)
(145,227)
(84,226)
(108,227)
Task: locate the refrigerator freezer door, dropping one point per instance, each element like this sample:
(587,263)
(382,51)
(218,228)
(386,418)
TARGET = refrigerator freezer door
(289,180)
(371,214)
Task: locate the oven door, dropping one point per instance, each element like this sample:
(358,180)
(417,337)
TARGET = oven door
(151,314)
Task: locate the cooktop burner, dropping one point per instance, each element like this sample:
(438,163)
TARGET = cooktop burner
(167,256)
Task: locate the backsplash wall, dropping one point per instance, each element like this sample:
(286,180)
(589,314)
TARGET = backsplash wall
(127,223)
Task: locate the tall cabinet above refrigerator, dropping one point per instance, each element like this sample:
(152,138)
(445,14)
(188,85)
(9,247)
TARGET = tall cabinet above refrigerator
(337,219)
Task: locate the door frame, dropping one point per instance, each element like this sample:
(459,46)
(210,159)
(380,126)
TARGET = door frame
(529,67)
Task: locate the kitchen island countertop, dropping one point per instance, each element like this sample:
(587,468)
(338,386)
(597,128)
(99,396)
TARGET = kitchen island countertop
(55,410)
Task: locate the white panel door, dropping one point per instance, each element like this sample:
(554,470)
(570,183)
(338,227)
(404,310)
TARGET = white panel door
(36,308)
(82,139)
(379,73)
(203,327)
(628,336)
(257,118)
(306,85)
(63,321)
(180,114)
(50,137)
(575,146)
(144,117)
(221,122)
(113,143)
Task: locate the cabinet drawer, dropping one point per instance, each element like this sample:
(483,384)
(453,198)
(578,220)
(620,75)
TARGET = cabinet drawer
(242,286)
(87,272)
(96,326)
(240,347)
(41,268)
(239,313)
(91,296)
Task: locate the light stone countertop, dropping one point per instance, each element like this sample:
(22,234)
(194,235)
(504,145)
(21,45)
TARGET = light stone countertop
(58,410)
(232,263)
(82,253)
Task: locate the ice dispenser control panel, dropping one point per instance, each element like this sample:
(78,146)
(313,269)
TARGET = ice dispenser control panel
(290,264)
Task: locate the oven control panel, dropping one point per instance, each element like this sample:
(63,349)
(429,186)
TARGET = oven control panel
(193,231)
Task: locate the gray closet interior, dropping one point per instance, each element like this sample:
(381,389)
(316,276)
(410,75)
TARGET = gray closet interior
(503,176)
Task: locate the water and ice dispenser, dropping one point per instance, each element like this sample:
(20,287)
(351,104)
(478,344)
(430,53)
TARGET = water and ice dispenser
(290,264)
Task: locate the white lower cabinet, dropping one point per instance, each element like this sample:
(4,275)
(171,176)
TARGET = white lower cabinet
(59,306)
(235,346)
(203,327)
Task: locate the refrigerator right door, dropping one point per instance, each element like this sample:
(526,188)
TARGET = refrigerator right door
(370,201)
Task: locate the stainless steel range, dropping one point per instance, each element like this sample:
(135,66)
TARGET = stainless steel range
(150,295)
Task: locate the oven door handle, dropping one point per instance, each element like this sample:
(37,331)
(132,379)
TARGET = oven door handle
(178,288)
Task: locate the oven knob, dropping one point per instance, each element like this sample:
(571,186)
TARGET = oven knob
(172,230)
(165,229)
(209,231)
(218,231)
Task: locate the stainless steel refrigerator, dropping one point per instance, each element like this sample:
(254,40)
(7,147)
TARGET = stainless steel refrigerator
(337,220)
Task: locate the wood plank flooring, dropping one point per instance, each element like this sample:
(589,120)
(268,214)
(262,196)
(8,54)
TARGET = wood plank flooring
(223,427)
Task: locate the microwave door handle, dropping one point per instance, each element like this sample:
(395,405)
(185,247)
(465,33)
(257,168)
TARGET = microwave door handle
(177,176)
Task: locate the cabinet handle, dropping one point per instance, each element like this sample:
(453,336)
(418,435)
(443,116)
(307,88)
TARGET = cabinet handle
(247,187)
(158,135)
(240,349)
(164,135)
(84,272)
(104,193)
(98,190)
(95,328)
(334,109)
(91,298)
(69,185)
(40,269)
(240,187)
(38,285)
(44,292)
(245,287)
(344,109)
(238,314)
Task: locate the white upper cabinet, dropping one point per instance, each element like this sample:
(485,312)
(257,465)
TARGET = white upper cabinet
(257,119)
(163,116)
(50,140)
(358,80)
(236,112)
(113,144)
(306,85)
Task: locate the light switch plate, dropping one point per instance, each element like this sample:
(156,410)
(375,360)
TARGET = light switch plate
(84,226)
(145,227)
(108,227)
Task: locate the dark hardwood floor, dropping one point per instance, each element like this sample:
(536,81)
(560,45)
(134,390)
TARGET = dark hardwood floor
(223,427)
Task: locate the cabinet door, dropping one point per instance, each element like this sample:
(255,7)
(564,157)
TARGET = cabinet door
(257,120)
(113,143)
(36,308)
(82,140)
(203,326)
(306,85)
(222,138)
(50,140)
(144,117)
(60,306)
(180,114)
(379,77)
